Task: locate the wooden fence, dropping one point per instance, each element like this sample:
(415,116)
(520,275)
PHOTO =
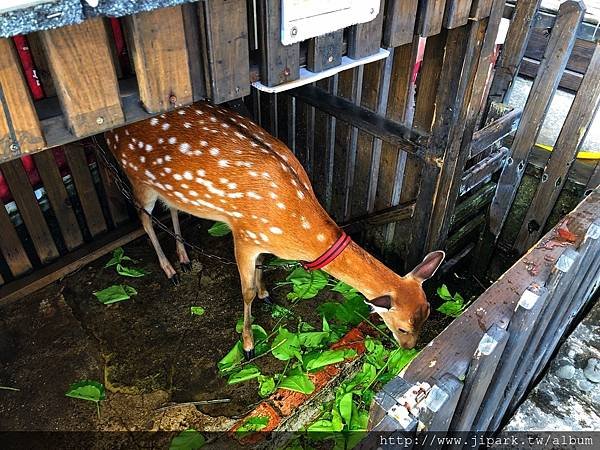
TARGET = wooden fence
(477,370)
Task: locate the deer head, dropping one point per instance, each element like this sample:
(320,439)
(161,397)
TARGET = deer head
(406,308)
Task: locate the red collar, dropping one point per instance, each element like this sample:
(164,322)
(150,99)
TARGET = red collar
(332,253)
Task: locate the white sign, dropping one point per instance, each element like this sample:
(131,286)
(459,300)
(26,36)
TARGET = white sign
(12,5)
(305,19)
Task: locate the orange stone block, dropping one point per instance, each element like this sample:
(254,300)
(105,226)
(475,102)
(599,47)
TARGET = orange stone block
(264,409)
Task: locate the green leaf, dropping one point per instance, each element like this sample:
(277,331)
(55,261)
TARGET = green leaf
(118,256)
(345,408)
(266,385)
(360,419)
(313,339)
(286,345)
(253,424)
(246,373)
(321,426)
(219,229)
(444,293)
(197,310)
(285,263)
(297,381)
(319,359)
(346,290)
(115,293)
(376,353)
(130,271)
(188,439)
(232,358)
(278,312)
(399,359)
(306,284)
(89,390)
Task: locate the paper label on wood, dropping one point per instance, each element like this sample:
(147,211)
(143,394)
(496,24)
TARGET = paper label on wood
(305,19)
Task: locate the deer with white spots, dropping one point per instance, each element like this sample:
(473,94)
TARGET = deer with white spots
(212,163)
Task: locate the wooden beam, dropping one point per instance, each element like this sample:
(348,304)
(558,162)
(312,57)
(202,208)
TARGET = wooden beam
(84,76)
(386,216)
(224,29)
(325,52)
(480,9)
(117,205)
(430,17)
(473,204)
(483,171)
(11,247)
(578,120)
(538,102)
(569,81)
(406,139)
(20,130)
(580,56)
(495,131)
(158,45)
(457,13)
(364,39)
(399,24)
(191,22)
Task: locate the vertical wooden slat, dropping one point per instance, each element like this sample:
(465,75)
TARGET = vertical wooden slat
(594,180)
(399,25)
(224,29)
(117,205)
(568,144)
(430,17)
(86,191)
(325,52)
(555,59)
(457,13)
(22,192)
(59,199)
(41,64)
(513,49)
(158,45)
(10,246)
(278,63)
(84,76)
(191,24)
(364,39)
(20,130)
(480,9)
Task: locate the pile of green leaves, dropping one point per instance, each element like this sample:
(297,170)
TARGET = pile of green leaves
(453,305)
(119,292)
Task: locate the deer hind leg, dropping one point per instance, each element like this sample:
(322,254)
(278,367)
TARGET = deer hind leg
(184,260)
(246,262)
(146,199)
(262,292)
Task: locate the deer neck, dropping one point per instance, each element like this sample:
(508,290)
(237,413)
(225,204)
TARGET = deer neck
(356,267)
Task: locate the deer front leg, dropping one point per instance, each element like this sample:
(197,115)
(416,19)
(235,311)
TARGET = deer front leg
(184,260)
(262,292)
(246,262)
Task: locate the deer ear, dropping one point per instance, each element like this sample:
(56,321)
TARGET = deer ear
(381,304)
(428,266)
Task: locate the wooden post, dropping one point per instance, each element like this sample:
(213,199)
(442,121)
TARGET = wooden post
(20,130)
(430,17)
(494,132)
(157,42)
(84,76)
(278,63)
(224,29)
(11,247)
(579,119)
(325,52)
(399,24)
(540,96)
(480,9)
(483,170)
(364,39)
(191,22)
(457,13)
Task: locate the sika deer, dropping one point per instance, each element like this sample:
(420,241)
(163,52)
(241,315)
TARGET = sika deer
(215,164)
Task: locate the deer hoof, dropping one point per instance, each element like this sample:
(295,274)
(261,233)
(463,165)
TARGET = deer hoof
(175,280)
(249,354)
(186,267)
(267,300)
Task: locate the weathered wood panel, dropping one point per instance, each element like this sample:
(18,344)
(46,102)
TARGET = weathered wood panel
(430,17)
(483,170)
(540,96)
(579,58)
(84,76)
(480,9)
(495,131)
(158,45)
(224,28)
(568,144)
(191,22)
(457,13)
(10,246)
(399,24)
(20,130)
(325,52)
(364,39)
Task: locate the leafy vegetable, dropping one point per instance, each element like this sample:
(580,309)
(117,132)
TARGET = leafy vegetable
(278,311)
(453,306)
(266,385)
(219,229)
(286,345)
(130,271)
(232,358)
(89,390)
(197,310)
(188,439)
(319,359)
(284,263)
(248,372)
(253,424)
(297,381)
(306,284)
(115,293)
(118,256)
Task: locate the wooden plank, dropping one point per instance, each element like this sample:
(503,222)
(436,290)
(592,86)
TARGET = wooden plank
(594,180)
(386,216)
(324,142)
(325,52)
(480,9)
(570,81)
(399,23)
(513,50)
(364,39)
(495,131)
(522,324)
(457,13)
(571,136)
(20,130)
(483,171)
(278,63)
(579,58)
(538,101)
(86,191)
(481,370)
(30,211)
(464,234)
(224,29)
(191,24)
(430,17)
(117,205)
(10,246)
(59,199)
(158,46)
(370,122)
(70,263)
(84,76)
(471,205)
(42,68)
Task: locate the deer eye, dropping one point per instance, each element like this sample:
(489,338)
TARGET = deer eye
(402,331)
